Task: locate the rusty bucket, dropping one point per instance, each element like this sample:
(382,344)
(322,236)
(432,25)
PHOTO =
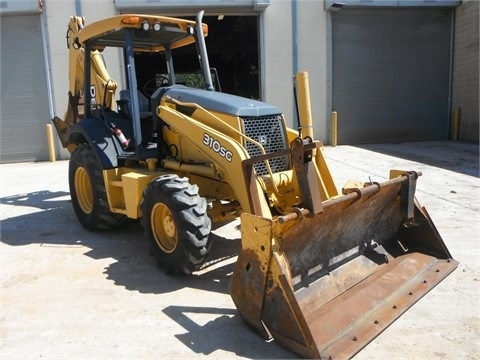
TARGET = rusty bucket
(325,285)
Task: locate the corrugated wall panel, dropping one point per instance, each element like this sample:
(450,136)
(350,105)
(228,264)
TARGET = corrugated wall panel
(391,74)
(24,102)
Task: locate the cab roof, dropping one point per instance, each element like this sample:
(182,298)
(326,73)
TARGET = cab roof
(110,32)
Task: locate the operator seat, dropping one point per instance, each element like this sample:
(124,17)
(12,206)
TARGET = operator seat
(126,104)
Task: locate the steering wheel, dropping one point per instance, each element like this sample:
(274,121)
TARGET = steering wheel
(151,85)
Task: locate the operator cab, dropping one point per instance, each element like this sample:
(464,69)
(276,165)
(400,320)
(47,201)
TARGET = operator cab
(141,37)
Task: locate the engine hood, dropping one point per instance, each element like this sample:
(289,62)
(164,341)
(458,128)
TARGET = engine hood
(217,101)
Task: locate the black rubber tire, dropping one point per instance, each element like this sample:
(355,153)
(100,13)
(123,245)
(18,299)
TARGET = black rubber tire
(87,190)
(176,224)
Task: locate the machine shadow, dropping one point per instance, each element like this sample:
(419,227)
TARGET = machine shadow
(449,155)
(24,219)
(227,332)
(47,218)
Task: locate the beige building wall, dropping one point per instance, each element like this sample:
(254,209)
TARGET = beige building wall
(57,13)
(465,84)
(277,50)
(313,57)
(311,30)
(278,61)
(313,34)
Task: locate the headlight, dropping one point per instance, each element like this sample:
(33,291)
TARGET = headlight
(145,25)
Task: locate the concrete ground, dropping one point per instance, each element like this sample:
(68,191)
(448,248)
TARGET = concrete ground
(70,293)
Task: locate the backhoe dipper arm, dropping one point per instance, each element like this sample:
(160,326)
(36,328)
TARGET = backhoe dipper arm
(102,87)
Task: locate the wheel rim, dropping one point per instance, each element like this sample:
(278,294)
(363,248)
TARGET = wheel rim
(163,228)
(83,189)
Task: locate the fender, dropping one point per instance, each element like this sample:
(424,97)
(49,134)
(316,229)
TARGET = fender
(94,132)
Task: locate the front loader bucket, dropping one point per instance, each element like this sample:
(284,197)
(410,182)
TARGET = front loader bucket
(324,286)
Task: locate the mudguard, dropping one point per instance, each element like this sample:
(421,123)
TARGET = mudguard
(100,138)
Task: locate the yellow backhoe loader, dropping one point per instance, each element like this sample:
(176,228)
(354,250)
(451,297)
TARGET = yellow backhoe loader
(321,271)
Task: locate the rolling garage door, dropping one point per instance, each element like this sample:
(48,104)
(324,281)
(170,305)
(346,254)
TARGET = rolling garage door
(24,100)
(391,74)
(233,40)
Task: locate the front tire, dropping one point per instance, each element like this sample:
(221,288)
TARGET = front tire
(176,224)
(87,190)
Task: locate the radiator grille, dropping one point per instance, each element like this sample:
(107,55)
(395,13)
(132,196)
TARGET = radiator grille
(270,132)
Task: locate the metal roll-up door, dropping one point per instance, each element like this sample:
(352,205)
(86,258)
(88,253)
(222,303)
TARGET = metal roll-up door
(391,74)
(24,96)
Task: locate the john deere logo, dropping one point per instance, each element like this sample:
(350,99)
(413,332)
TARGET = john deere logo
(263,140)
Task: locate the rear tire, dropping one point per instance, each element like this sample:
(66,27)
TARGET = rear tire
(176,224)
(87,190)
